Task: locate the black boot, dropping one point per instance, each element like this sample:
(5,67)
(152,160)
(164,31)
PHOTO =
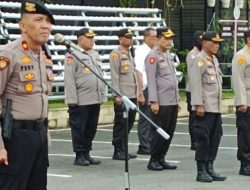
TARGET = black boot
(91,160)
(245,168)
(213,174)
(119,154)
(154,165)
(80,160)
(165,165)
(202,174)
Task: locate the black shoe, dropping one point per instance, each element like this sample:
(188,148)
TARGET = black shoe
(80,160)
(91,160)
(143,152)
(245,168)
(132,156)
(154,165)
(119,155)
(202,174)
(216,176)
(165,165)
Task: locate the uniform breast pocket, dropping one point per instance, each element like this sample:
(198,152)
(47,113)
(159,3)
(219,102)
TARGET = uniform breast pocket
(210,76)
(27,81)
(164,69)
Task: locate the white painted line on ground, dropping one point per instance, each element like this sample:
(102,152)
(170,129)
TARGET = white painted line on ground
(108,157)
(58,175)
(224,124)
(176,133)
(136,144)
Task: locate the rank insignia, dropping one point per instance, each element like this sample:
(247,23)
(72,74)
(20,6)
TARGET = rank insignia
(26,59)
(70,59)
(4,62)
(25,46)
(115,56)
(152,60)
(28,87)
(200,63)
(30,7)
(29,76)
(241,60)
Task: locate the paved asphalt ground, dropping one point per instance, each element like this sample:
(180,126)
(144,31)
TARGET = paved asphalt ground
(109,175)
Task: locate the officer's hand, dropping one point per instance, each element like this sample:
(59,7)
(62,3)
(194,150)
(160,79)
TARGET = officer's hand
(118,100)
(179,108)
(3,157)
(155,107)
(242,108)
(200,111)
(141,99)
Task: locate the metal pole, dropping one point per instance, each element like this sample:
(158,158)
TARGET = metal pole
(235,29)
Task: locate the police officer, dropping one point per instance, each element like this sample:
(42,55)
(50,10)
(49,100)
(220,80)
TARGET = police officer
(162,97)
(122,68)
(25,79)
(84,94)
(241,82)
(141,52)
(206,88)
(190,59)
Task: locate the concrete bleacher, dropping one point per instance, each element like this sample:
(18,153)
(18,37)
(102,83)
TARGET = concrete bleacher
(105,21)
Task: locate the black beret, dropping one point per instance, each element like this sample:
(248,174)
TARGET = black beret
(85,32)
(125,32)
(212,36)
(165,31)
(36,7)
(247,34)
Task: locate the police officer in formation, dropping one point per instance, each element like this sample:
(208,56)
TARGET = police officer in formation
(241,86)
(143,126)
(122,68)
(25,81)
(190,59)
(84,94)
(163,97)
(206,93)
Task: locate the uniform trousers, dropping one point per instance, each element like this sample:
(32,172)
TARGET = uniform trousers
(119,129)
(143,126)
(243,135)
(208,132)
(28,159)
(191,117)
(83,120)
(166,119)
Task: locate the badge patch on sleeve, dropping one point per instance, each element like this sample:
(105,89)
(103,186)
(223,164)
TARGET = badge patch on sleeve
(152,60)
(200,63)
(241,60)
(4,62)
(115,56)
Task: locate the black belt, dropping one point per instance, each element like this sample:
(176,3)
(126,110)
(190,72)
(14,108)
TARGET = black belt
(29,124)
